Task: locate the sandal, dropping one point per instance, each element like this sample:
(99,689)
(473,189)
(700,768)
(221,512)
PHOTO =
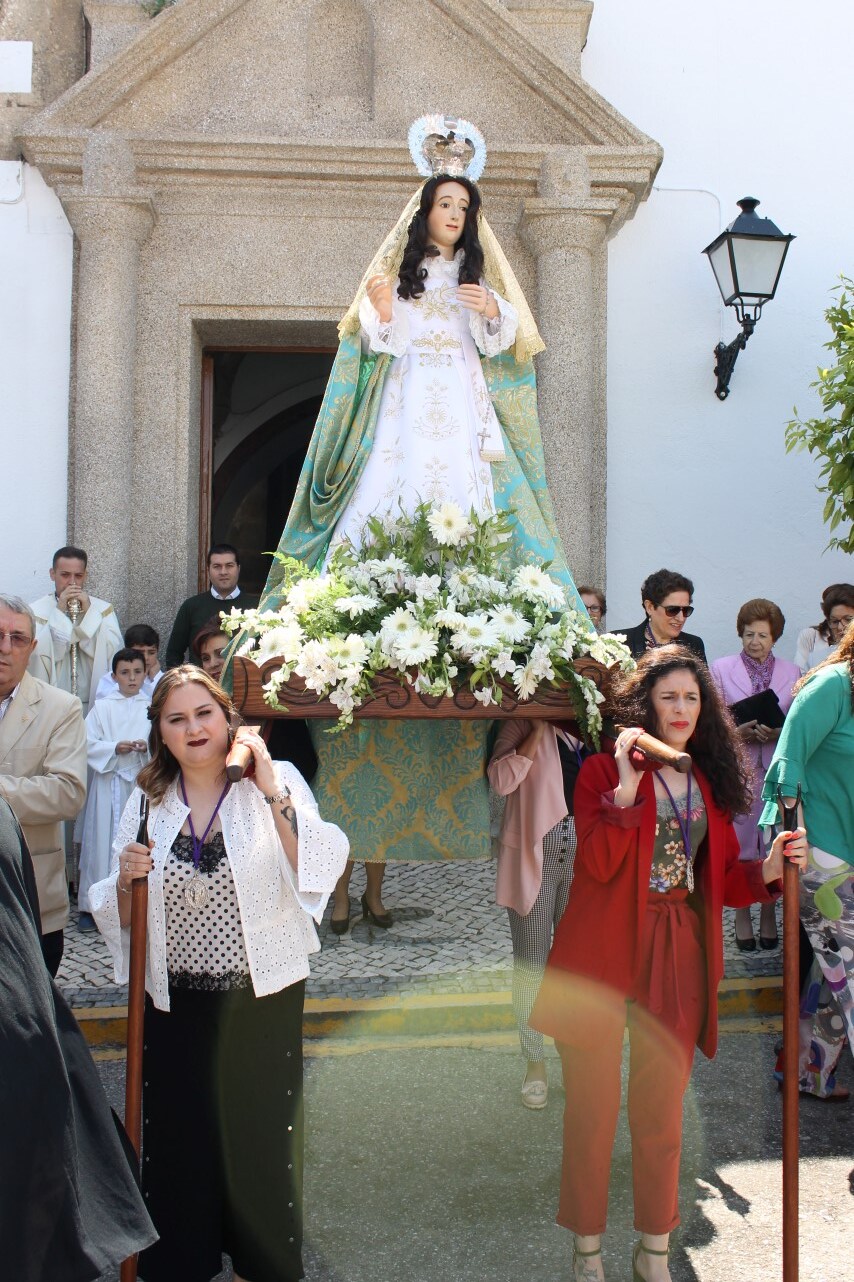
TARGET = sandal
(637,1276)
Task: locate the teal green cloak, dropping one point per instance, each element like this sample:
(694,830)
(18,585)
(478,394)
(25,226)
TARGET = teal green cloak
(412,789)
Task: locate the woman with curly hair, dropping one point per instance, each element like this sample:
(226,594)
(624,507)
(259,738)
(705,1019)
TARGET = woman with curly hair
(815,752)
(640,946)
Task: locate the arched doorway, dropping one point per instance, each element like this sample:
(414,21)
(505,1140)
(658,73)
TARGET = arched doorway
(259,407)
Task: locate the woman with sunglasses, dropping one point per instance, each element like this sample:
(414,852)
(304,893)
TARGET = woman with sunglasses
(666,597)
(640,946)
(236,872)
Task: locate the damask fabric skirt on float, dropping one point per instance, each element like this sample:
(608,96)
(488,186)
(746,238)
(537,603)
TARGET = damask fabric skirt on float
(403,789)
(222,1135)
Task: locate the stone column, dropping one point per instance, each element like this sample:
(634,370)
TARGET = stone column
(110,227)
(568,243)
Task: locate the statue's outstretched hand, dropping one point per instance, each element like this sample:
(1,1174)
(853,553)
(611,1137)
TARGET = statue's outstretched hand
(379,292)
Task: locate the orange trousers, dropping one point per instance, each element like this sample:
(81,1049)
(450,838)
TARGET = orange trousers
(664,1016)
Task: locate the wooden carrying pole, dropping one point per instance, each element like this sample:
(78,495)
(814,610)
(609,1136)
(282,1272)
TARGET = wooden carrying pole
(136,1012)
(791,1055)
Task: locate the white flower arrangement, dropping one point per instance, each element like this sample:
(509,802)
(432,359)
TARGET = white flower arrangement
(435,598)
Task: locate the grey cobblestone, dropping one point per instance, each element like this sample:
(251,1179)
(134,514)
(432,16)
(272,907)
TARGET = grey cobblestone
(448,936)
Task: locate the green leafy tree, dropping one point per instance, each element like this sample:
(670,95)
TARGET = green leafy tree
(831,438)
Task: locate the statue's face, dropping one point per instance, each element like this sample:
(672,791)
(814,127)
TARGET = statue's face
(447,218)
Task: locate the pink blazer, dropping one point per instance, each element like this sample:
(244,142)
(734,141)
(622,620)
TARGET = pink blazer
(535,803)
(732,680)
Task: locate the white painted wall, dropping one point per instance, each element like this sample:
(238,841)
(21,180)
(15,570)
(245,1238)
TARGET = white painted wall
(35,325)
(746,100)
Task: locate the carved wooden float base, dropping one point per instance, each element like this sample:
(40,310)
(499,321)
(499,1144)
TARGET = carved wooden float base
(392,699)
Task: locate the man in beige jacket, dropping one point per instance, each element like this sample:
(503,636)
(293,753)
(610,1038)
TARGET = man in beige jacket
(42,765)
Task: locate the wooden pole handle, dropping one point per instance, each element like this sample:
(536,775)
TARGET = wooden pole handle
(136,1015)
(658,751)
(791,1069)
(238,759)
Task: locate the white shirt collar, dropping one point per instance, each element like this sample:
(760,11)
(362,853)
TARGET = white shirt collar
(231,596)
(5,704)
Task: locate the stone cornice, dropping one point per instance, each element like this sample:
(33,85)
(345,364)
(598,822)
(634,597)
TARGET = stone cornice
(621,175)
(487,23)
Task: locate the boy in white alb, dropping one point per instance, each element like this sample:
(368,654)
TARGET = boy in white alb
(141,637)
(117,741)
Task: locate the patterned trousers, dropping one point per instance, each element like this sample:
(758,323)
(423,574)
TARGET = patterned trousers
(827,1010)
(532,934)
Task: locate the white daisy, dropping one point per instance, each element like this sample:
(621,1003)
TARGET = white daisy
(533,584)
(510,625)
(448,525)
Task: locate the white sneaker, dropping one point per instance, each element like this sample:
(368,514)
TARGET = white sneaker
(535,1093)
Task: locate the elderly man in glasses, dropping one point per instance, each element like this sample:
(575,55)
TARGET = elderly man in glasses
(42,765)
(666,597)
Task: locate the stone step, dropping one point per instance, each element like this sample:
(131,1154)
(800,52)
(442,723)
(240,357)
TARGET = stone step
(441,1016)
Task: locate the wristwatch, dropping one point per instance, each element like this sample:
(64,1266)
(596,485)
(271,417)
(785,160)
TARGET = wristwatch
(278,796)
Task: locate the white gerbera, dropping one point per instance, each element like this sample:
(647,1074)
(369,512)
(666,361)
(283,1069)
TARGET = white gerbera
(351,654)
(284,641)
(448,525)
(531,583)
(359,603)
(398,624)
(509,623)
(476,633)
(416,647)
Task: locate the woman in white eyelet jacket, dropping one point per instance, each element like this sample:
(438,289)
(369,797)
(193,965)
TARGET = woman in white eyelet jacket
(235,875)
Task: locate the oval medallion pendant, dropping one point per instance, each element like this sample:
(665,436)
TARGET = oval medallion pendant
(196,893)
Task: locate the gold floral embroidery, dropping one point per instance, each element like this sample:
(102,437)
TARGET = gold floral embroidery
(439,344)
(438,304)
(436,423)
(436,475)
(393,453)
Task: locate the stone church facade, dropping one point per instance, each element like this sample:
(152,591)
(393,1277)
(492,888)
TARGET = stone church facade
(228,168)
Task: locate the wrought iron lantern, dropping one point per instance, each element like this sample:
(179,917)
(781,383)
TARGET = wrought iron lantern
(747,259)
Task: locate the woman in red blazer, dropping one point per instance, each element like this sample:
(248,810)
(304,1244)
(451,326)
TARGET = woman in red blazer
(640,945)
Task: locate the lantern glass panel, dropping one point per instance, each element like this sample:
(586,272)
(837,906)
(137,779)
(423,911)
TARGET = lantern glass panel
(722,267)
(757,264)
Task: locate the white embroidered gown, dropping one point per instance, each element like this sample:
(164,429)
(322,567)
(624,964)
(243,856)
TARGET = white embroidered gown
(436,430)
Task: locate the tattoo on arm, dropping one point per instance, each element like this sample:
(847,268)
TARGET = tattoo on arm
(288,813)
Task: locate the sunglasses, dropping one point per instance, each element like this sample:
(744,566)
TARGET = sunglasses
(672,610)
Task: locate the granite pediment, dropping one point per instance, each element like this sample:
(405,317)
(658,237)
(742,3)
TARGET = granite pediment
(337,71)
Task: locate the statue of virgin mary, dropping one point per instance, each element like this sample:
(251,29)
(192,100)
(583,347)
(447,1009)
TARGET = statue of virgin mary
(432,397)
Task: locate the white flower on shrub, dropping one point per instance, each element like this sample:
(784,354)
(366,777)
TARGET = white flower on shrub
(540,663)
(485,696)
(351,654)
(425,586)
(448,525)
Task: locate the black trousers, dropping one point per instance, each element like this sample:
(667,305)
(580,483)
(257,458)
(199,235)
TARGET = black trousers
(223,1135)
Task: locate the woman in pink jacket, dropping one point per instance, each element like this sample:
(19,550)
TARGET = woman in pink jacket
(534,766)
(756,668)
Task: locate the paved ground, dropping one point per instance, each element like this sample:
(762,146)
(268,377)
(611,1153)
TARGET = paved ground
(422,1166)
(448,936)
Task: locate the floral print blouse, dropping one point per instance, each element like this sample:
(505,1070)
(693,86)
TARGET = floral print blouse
(669,864)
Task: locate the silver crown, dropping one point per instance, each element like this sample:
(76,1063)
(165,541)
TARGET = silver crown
(445,145)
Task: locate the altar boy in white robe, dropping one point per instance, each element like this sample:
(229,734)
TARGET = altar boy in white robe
(117,745)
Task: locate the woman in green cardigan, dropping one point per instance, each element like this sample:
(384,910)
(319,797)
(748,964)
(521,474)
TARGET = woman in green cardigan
(816,751)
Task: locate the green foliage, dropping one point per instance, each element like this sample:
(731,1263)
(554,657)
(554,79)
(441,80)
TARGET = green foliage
(831,438)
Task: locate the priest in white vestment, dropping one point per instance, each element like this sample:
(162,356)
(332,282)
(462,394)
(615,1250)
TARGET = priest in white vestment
(95,633)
